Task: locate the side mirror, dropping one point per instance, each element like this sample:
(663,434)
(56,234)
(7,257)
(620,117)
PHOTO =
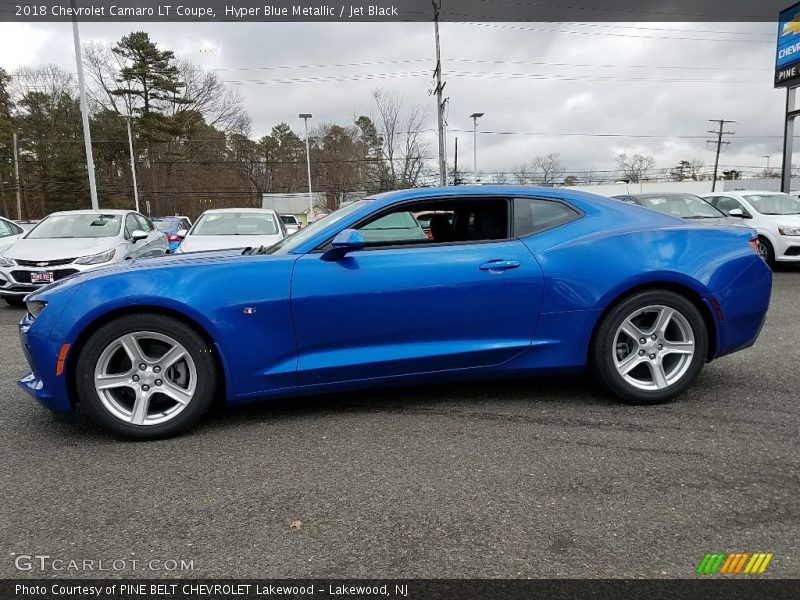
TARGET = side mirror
(738,212)
(349,240)
(138,234)
(181,233)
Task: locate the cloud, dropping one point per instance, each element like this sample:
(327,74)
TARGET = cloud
(661,79)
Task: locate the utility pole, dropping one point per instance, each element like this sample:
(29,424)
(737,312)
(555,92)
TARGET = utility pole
(437,4)
(475,116)
(306,117)
(455,165)
(133,161)
(87,134)
(16,177)
(719,143)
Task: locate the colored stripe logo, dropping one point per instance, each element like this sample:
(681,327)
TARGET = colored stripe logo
(734,563)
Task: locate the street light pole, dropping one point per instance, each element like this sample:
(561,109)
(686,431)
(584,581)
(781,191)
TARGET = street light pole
(767,157)
(87,135)
(306,117)
(475,117)
(133,161)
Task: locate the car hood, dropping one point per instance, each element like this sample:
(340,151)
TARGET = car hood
(55,249)
(195,243)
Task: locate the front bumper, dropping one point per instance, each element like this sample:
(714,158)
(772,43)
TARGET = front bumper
(15,281)
(41,353)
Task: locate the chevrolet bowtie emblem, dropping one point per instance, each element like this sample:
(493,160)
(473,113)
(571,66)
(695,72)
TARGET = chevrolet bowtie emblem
(42,264)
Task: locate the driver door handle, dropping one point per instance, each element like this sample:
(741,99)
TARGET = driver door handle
(499,265)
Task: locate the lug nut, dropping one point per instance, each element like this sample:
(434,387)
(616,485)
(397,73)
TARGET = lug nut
(660,347)
(145,387)
(652,356)
(642,341)
(159,382)
(142,367)
(654,336)
(641,352)
(135,378)
(157,369)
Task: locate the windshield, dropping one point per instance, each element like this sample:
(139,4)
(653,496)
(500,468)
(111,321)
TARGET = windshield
(685,206)
(774,204)
(164,225)
(289,219)
(236,223)
(76,226)
(290,243)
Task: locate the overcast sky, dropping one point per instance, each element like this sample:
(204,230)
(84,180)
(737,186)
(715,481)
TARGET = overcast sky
(600,78)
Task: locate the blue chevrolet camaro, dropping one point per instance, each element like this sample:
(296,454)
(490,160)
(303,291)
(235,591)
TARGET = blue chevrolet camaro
(511,281)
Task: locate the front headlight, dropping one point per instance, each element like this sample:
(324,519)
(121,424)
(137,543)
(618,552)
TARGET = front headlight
(7,262)
(96,259)
(789,230)
(35,307)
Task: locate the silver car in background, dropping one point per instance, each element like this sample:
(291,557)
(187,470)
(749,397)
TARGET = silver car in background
(10,232)
(65,243)
(228,228)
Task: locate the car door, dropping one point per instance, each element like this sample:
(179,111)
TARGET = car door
(156,240)
(132,249)
(727,204)
(423,306)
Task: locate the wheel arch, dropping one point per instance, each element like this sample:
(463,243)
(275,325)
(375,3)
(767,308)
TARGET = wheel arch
(94,325)
(671,286)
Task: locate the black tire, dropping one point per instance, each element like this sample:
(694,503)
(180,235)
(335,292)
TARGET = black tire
(766,251)
(603,351)
(196,347)
(14,302)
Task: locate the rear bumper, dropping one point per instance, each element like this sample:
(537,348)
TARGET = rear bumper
(744,305)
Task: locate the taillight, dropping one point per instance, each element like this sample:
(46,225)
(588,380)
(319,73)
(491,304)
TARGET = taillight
(171,237)
(754,245)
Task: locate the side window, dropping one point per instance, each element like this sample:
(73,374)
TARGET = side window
(144,223)
(536,214)
(726,203)
(184,224)
(449,220)
(131,225)
(5,229)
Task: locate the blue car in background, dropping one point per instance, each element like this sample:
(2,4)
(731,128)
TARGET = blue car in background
(514,281)
(171,226)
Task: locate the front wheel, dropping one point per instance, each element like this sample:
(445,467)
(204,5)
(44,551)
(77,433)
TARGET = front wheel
(765,250)
(146,376)
(649,347)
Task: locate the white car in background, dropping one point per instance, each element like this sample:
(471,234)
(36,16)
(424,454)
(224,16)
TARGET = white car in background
(774,215)
(291,223)
(10,232)
(228,228)
(69,242)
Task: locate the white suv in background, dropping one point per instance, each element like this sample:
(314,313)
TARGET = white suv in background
(774,215)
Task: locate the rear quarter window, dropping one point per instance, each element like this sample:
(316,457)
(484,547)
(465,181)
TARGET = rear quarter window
(532,215)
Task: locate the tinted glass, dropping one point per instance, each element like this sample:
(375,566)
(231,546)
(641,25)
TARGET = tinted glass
(163,225)
(534,214)
(685,206)
(5,229)
(77,226)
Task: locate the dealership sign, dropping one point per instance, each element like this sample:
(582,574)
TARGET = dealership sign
(787,56)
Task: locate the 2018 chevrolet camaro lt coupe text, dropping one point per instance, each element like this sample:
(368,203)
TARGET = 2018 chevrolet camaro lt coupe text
(520,280)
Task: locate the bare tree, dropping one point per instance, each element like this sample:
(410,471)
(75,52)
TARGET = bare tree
(588,176)
(500,178)
(401,140)
(221,108)
(633,168)
(522,174)
(51,80)
(548,169)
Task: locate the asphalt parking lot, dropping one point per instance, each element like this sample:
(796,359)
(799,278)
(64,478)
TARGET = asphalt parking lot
(534,478)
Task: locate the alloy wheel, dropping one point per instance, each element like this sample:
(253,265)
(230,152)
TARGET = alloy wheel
(145,378)
(654,347)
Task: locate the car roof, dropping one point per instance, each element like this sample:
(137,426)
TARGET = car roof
(110,211)
(656,195)
(214,211)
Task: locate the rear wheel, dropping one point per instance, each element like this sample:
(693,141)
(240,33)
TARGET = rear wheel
(146,376)
(649,347)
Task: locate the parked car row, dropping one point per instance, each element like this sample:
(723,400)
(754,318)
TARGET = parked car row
(70,242)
